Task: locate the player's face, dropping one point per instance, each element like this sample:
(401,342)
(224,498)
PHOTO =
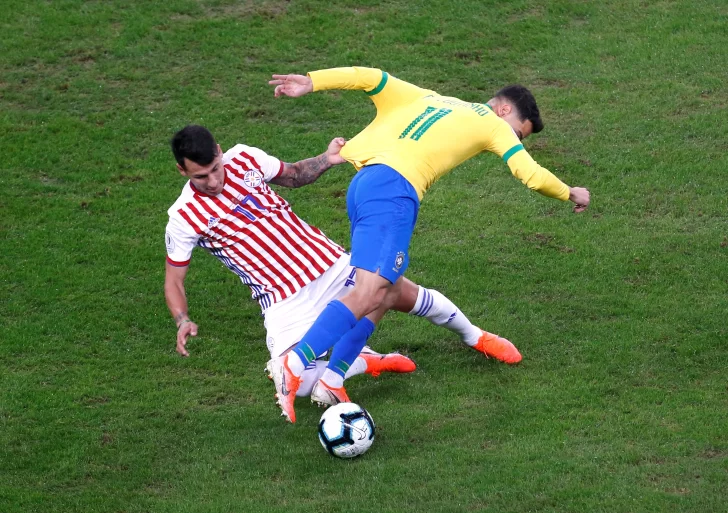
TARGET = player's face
(509,114)
(522,128)
(209,178)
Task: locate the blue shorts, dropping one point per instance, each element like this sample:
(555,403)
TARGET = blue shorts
(382,207)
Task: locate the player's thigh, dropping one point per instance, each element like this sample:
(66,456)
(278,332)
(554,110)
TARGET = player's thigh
(280,341)
(382,207)
(288,322)
(380,239)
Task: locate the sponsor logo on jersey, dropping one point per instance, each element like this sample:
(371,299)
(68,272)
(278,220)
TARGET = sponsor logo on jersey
(252,178)
(212,221)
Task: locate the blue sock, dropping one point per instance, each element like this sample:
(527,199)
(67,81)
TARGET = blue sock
(329,327)
(349,346)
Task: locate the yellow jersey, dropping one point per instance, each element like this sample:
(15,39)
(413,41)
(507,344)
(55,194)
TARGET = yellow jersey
(423,135)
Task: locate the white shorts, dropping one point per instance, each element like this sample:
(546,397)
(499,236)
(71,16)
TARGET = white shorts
(288,321)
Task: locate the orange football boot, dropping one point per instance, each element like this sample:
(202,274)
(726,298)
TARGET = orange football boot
(497,347)
(324,395)
(287,384)
(392,362)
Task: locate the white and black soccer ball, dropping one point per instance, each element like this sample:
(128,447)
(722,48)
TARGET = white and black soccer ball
(346,430)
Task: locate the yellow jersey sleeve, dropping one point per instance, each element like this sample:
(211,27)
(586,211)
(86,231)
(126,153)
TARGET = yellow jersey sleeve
(387,92)
(537,178)
(423,135)
(506,145)
(365,79)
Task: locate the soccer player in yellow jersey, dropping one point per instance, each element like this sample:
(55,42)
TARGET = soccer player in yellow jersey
(416,137)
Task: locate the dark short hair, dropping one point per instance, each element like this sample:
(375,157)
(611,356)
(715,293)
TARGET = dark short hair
(525,104)
(194,143)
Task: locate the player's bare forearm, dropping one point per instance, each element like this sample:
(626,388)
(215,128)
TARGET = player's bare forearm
(303,172)
(181,316)
(308,171)
(177,303)
(174,293)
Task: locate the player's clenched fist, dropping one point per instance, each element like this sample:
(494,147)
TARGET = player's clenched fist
(581,197)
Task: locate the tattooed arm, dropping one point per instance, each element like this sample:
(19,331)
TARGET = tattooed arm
(307,171)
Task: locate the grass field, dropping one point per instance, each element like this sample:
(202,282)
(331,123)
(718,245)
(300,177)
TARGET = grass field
(621,402)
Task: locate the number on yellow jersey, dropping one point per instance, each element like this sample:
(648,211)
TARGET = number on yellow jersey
(431,120)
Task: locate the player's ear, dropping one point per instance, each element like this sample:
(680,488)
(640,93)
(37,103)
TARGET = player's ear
(181,170)
(219,150)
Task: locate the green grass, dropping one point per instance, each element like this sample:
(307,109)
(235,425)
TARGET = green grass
(620,403)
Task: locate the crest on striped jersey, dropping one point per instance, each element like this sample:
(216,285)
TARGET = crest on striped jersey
(252,178)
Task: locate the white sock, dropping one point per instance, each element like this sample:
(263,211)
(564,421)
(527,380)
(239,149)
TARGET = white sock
(315,370)
(332,379)
(295,364)
(358,367)
(310,376)
(440,311)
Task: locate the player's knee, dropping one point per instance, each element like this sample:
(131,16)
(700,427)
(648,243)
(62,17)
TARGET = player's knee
(375,300)
(368,301)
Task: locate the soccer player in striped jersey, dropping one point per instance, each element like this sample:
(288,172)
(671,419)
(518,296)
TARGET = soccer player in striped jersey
(291,267)
(416,137)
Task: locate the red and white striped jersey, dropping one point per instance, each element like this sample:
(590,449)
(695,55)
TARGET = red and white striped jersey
(250,229)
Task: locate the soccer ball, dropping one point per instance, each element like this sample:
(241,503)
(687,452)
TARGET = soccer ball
(346,430)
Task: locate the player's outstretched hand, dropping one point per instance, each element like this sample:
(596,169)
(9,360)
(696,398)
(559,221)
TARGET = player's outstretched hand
(185,330)
(333,153)
(581,197)
(291,85)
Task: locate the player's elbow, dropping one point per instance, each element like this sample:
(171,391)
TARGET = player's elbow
(534,185)
(529,179)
